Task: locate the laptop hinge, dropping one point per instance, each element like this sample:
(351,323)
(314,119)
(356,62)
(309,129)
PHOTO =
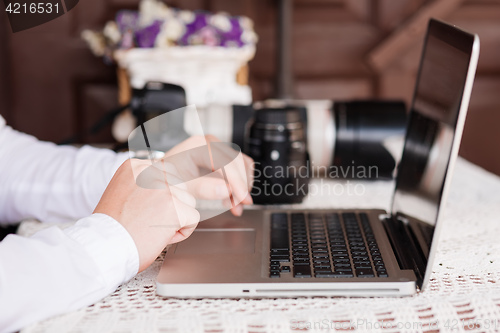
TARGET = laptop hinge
(406,247)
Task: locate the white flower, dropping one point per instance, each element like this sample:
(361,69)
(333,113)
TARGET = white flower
(249,37)
(153,10)
(187,16)
(112,32)
(95,41)
(171,31)
(246,23)
(220,21)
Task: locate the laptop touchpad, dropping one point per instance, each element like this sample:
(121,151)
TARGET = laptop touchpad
(208,241)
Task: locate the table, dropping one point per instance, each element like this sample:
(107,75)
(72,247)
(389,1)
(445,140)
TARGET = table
(463,295)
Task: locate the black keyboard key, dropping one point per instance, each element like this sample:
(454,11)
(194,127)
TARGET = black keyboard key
(285,269)
(298,217)
(301,271)
(302,263)
(279,252)
(319,271)
(279,257)
(364,272)
(274,274)
(319,261)
(301,256)
(340,261)
(344,270)
(334,275)
(279,232)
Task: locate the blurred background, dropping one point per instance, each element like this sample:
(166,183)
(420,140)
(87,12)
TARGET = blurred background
(53,87)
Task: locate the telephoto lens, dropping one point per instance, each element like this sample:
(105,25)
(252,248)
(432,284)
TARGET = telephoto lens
(277,142)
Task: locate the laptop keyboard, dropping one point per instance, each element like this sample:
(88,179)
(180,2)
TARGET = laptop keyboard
(324,246)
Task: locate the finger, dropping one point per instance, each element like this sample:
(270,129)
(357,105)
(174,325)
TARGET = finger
(182,234)
(248,200)
(237,210)
(186,215)
(183,196)
(210,187)
(249,167)
(236,178)
(190,143)
(238,168)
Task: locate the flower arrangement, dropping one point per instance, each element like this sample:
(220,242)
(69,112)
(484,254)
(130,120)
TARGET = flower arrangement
(155,25)
(205,53)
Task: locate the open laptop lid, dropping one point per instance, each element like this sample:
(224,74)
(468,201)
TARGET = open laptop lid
(435,124)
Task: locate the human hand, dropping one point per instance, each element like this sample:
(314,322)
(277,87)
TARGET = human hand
(155,201)
(200,160)
(154,216)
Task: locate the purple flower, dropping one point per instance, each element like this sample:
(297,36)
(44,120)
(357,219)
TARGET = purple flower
(146,37)
(193,28)
(127,20)
(232,38)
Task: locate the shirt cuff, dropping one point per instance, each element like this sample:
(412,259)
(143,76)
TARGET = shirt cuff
(110,245)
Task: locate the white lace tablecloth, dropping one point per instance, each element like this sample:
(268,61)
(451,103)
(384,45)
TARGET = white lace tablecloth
(464,293)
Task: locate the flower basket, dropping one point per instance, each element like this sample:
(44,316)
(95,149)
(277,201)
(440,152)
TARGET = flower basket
(208,74)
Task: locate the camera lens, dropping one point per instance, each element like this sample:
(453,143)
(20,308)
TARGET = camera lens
(277,143)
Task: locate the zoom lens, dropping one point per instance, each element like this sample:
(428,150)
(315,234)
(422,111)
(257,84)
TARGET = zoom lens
(277,143)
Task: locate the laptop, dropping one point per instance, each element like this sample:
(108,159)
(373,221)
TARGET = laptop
(355,252)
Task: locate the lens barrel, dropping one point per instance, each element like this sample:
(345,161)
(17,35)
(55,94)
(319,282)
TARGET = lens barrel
(277,143)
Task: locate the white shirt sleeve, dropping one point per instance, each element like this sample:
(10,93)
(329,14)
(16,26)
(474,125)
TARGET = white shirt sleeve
(57,271)
(48,182)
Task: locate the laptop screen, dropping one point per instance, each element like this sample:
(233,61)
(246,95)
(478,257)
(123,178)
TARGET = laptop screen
(432,125)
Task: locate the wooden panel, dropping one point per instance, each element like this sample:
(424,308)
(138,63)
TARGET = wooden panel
(483,19)
(334,49)
(414,29)
(481,138)
(390,14)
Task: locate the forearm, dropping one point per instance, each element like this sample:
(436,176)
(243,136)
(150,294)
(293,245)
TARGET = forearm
(57,271)
(49,182)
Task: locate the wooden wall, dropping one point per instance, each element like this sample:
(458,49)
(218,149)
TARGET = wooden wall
(51,86)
